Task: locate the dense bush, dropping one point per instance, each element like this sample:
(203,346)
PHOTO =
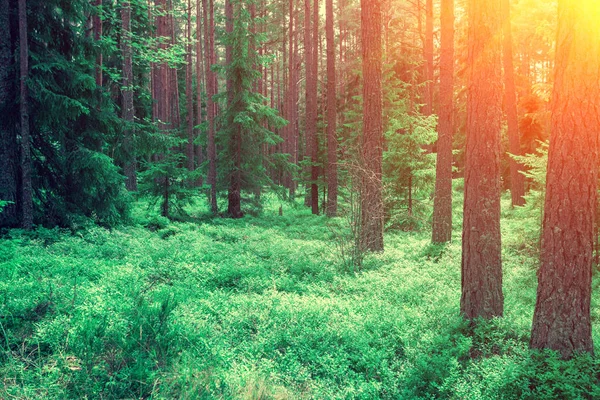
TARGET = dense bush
(262,308)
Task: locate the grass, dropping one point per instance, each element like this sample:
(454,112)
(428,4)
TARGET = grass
(263,308)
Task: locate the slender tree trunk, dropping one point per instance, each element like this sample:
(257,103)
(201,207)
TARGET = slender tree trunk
(209,35)
(481,252)
(442,205)
(428,52)
(162,88)
(332,143)
(8,144)
(128,111)
(199,80)
(517,180)
(97,22)
(26,186)
(189,97)
(311,101)
(561,320)
(372,139)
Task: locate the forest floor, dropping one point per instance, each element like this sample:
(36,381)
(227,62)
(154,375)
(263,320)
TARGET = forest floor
(266,307)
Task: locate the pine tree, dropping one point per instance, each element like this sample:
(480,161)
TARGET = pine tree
(372,139)
(562,320)
(481,252)
(442,206)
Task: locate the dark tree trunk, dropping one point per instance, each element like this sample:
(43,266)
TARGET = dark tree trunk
(332,144)
(561,320)
(189,97)
(517,180)
(199,80)
(209,42)
(8,143)
(234,206)
(428,53)
(127,108)
(97,21)
(442,205)
(481,253)
(26,187)
(310,34)
(372,140)
(162,88)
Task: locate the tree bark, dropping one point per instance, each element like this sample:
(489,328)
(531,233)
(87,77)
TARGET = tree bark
(561,320)
(26,186)
(209,40)
(199,80)
(189,97)
(97,22)
(8,144)
(371,238)
(428,53)
(517,180)
(311,64)
(128,111)
(332,143)
(481,252)
(442,204)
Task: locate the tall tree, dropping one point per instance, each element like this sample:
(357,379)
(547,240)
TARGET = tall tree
(189,97)
(332,144)
(8,144)
(442,205)
(311,62)
(97,22)
(199,81)
(428,53)
(26,187)
(561,320)
(481,253)
(517,181)
(371,236)
(211,90)
(128,111)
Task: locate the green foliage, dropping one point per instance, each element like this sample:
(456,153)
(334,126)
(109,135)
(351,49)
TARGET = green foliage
(262,307)
(247,135)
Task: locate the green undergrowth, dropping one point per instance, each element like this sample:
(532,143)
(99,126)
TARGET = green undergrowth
(263,308)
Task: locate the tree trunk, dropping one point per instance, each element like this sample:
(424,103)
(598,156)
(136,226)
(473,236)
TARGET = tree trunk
(428,53)
(199,80)
(127,92)
(209,40)
(311,64)
(442,204)
(372,140)
(517,180)
(481,252)
(26,187)
(97,21)
(332,144)
(189,97)
(8,144)
(561,320)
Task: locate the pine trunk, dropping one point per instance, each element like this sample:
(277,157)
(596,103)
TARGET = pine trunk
(481,252)
(8,143)
(209,41)
(127,93)
(97,21)
(372,140)
(332,144)
(442,205)
(517,180)
(428,52)
(26,186)
(561,320)
(189,97)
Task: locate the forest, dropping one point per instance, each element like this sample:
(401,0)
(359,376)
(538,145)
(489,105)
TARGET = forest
(299,199)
